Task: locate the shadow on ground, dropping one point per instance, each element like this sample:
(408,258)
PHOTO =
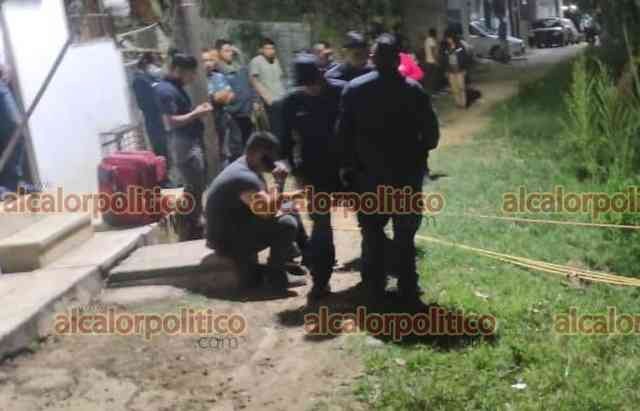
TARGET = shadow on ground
(395,321)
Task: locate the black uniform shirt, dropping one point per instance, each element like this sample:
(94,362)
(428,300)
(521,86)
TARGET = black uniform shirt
(309,124)
(345,72)
(387,127)
(173,100)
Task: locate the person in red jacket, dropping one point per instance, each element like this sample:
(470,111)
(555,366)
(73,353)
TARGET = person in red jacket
(410,68)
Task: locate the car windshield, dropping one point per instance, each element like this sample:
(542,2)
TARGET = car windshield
(547,23)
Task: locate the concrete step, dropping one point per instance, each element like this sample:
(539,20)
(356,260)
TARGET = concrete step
(30,300)
(41,240)
(11,223)
(104,249)
(174,264)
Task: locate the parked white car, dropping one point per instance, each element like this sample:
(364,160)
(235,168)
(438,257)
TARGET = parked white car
(487,44)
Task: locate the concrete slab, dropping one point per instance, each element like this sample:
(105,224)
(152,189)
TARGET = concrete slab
(139,295)
(11,223)
(30,301)
(170,264)
(104,249)
(43,242)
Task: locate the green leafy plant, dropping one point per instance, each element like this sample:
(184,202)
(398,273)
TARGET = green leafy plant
(602,125)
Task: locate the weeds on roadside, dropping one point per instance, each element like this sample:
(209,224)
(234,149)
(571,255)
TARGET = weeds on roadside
(602,133)
(603,124)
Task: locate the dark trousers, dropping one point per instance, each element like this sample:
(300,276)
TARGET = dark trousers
(379,253)
(224,124)
(432,78)
(322,249)
(188,155)
(247,240)
(246,128)
(157,137)
(236,131)
(274,114)
(11,175)
(376,255)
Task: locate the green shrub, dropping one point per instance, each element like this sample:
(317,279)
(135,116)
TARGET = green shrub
(603,125)
(602,142)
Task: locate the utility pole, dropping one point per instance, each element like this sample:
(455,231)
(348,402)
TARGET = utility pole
(186,39)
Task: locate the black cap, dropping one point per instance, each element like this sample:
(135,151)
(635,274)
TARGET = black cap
(388,43)
(306,69)
(354,40)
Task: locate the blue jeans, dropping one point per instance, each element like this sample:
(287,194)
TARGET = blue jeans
(323,251)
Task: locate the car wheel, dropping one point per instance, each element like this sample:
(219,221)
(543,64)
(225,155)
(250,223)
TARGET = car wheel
(495,53)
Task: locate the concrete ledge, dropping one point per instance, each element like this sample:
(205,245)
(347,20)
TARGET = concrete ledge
(30,302)
(174,264)
(11,223)
(104,249)
(40,243)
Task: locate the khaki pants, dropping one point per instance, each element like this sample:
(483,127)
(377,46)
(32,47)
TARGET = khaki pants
(459,88)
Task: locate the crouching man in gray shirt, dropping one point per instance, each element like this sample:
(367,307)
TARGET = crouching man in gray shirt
(243,218)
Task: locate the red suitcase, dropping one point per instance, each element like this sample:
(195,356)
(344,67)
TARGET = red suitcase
(130,192)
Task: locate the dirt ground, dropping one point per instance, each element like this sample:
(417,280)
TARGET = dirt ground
(275,366)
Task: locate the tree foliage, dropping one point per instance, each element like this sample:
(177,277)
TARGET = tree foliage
(339,14)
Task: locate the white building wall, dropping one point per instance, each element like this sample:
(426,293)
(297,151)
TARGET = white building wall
(88,94)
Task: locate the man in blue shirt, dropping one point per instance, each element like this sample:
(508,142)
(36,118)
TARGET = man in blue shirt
(221,95)
(186,132)
(245,100)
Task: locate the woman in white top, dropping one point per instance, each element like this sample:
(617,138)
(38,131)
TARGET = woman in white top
(432,68)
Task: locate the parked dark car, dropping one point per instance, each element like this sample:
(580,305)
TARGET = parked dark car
(551,32)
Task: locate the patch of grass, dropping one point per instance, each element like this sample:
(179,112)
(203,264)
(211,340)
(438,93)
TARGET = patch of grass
(560,372)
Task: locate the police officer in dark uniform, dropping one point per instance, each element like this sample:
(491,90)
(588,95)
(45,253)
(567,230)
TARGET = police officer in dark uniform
(310,113)
(144,78)
(186,132)
(356,64)
(388,127)
(356,61)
